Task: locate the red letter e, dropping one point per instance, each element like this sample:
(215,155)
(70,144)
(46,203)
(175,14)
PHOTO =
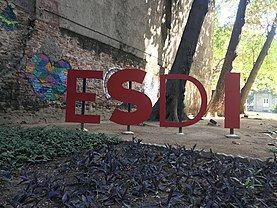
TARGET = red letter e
(72,96)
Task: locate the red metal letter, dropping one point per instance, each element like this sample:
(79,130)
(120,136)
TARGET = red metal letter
(72,96)
(117,91)
(232,100)
(203,107)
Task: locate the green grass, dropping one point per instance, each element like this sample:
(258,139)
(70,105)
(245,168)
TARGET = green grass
(19,146)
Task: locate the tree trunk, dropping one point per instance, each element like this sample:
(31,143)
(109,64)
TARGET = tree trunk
(253,74)
(216,104)
(182,63)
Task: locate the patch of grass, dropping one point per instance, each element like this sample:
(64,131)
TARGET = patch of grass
(31,145)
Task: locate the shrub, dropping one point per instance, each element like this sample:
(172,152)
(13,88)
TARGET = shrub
(274,109)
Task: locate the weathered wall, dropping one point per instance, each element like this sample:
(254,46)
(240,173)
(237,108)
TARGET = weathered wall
(137,27)
(36,51)
(15,30)
(140,28)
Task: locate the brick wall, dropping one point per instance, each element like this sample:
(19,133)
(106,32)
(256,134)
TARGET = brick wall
(20,101)
(13,39)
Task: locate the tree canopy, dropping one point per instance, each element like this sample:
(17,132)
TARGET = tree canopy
(259,17)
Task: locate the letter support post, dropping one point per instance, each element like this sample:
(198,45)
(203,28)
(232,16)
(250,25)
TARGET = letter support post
(84,104)
(180,105)
(129,132)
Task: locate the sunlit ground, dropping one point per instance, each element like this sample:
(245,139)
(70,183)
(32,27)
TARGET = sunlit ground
(250,114)
(262,115)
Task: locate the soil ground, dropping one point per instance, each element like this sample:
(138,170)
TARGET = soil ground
(256,133)
(257,138)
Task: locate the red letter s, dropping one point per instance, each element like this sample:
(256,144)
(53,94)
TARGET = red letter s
(117,91)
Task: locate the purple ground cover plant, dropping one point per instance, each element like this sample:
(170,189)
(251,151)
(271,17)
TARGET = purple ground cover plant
(132,174)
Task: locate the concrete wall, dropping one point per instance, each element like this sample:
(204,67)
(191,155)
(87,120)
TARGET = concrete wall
(59,35)
(137,27)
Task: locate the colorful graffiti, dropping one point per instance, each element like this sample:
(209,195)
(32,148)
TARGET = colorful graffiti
(106,77)
(48,81)
(151,87)
(8,19)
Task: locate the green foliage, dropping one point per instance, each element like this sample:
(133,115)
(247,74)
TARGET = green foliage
(250,98)
(248,51)
(222,36)
(260,15)
(274,109)
(221,39)
(31,145)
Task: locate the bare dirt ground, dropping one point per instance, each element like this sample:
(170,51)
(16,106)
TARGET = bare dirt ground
(258,135)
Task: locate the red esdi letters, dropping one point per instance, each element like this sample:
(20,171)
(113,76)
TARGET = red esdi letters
(142,102)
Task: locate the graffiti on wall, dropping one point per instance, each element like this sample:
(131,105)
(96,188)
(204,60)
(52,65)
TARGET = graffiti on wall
(106,77)
(47,80)
(151,87)
(8,19)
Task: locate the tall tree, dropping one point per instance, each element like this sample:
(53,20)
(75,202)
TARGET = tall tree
(253,74)
(260,14)
(182,63)
(216,103)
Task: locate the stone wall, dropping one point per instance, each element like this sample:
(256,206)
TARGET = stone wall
(41,40)
(15,31)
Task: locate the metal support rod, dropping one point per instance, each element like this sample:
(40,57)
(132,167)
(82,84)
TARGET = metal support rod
(129,106)
(83,103)
(180,109)
(232,134)
(129,132)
